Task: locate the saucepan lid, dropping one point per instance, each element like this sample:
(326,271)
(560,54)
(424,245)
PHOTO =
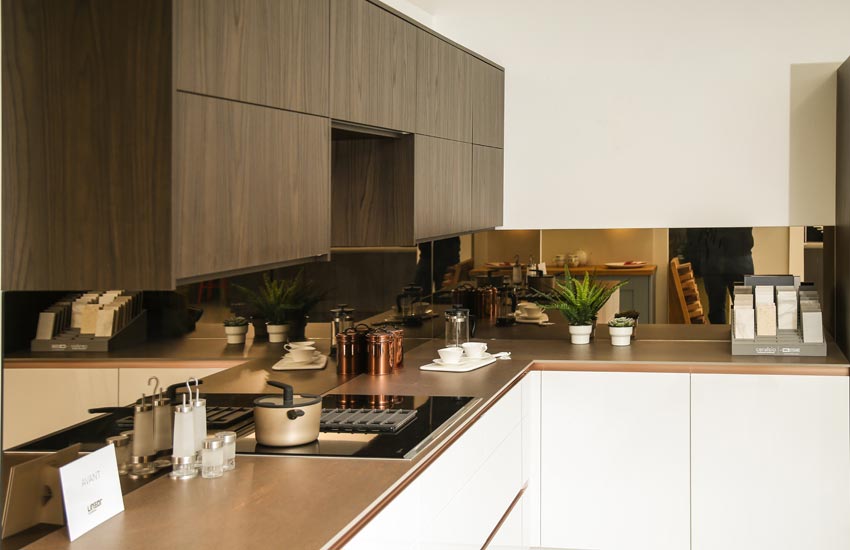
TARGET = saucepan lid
(287,400)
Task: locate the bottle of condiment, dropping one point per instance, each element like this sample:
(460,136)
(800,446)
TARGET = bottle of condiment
(228,439)
(144,452)
(516,272)
(121,443)
(199,411)
(212,457)
(183,458)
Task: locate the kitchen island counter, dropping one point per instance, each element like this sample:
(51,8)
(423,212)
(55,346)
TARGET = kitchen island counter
(298,502)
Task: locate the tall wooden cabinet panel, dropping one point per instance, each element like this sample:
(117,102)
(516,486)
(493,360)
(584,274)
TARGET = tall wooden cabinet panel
(269,52)
(373,66)
(86,144)
(488,104)
(487,187)
(251,188)
(443,84)
(442,187)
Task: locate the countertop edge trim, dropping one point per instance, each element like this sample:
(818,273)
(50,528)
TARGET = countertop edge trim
(694,368)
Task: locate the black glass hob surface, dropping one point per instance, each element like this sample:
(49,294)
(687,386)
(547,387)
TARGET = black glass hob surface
(370,426)
(364,426)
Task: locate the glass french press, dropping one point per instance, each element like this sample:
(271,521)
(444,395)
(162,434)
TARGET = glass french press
(457,326)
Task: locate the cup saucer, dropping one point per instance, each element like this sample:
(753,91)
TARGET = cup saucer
(447,364)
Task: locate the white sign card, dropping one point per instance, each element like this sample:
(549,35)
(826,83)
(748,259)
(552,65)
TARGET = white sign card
(91,491)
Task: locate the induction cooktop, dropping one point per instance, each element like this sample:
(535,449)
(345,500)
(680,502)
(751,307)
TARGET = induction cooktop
(408,424)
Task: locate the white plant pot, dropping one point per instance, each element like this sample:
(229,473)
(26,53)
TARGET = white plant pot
(580,334)
(236,335)
(277,333)
(620,336)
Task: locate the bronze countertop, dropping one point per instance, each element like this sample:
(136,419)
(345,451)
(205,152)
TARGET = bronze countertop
(310,502)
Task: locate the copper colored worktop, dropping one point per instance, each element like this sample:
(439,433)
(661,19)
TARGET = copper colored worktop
(308,502)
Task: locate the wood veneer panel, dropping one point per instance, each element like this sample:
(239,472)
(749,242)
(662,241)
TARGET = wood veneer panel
(841,313)
(373,66)
(443,84)
(442,187)
(372,192)
(86,144)
(487,187)
(488,104)
(252,186)
(269,52)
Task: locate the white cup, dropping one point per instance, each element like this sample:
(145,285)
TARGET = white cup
(299,345)
(474,350)
(532,311)
(450,355)
(302,355)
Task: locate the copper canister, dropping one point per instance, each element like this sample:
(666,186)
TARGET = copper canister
(398,346)
(379,345)
(486,303)
(361,351)
(346,358)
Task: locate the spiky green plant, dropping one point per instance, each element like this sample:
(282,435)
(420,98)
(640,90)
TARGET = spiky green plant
(236,322)
(280,300)
(621,322)
(579,300)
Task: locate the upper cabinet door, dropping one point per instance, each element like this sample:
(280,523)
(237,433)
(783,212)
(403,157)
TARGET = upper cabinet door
(443,84)
(268,52)
(373,66)
(252,186)
(488,104)
(487,187)
(442,187)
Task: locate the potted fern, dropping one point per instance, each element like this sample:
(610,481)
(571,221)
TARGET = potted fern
(579,301)
(284,304)
(235,328)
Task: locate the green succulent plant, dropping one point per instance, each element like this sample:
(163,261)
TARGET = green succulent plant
(621,322)
(235,322)
(279,301)
(579,300)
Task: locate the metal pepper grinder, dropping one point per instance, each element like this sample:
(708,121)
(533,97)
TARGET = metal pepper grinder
(342,321)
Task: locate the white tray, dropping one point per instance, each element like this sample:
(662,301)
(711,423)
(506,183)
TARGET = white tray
(318,364)
(544,318)
(464,366)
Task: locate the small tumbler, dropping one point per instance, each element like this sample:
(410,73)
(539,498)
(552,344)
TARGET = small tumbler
(122,451)
(212,457)
(229,441)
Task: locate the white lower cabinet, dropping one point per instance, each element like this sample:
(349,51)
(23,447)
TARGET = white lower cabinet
(615,464)
(771,462)
(512,534)
(457,502)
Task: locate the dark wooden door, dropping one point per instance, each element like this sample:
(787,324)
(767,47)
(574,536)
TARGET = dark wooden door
(487,187)
(252,186)
(268,52)
(488,104)
(373,66)
(442,187)
(443,84)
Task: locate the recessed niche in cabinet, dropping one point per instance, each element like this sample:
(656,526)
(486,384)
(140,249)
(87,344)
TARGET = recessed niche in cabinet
(371,189)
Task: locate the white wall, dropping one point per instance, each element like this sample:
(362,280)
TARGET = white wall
(648,114)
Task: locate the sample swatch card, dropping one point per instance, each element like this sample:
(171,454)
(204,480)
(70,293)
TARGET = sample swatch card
(91,491)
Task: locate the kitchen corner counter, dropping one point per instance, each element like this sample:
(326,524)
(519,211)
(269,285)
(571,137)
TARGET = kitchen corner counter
(312,502)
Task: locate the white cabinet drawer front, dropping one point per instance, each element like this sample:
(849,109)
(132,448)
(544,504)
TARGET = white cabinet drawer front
(445,477)
(396,527)
(615,461)
(472,514)
(511,534)
(531,453)
(771,462)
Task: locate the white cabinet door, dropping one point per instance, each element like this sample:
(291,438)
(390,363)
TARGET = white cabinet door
(615,461)
(512,534)
(531,456)
(38,401)
(396,527)
(771,462)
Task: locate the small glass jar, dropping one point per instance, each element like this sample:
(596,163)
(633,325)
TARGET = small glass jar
(212,457)
(122,451)
(228,439)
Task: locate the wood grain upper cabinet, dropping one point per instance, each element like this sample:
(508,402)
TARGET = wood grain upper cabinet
(443,83)
(488,104)
(373,66)
(487,187)
(269,52)
(252,186)
(442,187)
